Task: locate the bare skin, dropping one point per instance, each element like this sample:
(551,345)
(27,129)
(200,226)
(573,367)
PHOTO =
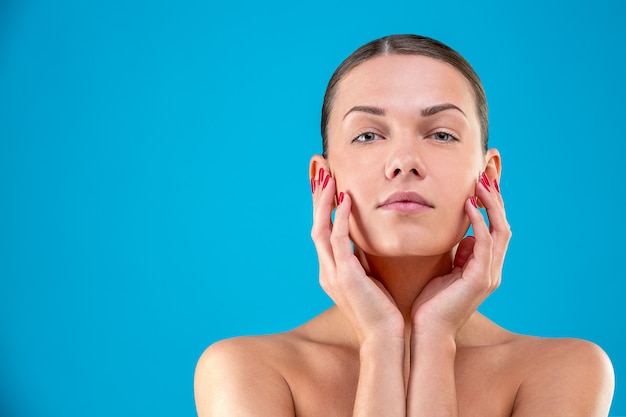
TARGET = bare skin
(405,174)
(313,371)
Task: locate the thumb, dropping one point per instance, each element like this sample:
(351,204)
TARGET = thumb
(464,251)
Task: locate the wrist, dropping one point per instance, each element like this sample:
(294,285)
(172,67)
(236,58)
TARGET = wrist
(381,347)
(433,329)
(383,332)
(437,337)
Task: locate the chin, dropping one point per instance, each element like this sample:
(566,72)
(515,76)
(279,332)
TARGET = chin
(408,244)
(400,248)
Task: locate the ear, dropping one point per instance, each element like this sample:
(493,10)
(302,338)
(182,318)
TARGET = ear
(317,162)
(493,165)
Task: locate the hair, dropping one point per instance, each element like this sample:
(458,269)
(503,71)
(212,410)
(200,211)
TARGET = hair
(406,45)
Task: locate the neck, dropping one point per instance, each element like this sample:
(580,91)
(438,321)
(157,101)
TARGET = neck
(405,277)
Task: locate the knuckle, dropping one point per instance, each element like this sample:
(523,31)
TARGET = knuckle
(497,282)
(315,233)
(335,239)
(484,286)
(506,229)
(324,284)
(494,284)
(480,288)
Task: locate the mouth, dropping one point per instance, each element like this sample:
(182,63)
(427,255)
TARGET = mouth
(406,202)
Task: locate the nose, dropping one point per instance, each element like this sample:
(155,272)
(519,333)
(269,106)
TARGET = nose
(404,159)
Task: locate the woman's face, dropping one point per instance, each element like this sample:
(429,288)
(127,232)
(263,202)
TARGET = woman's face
(404,141)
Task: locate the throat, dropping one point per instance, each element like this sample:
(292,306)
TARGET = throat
(405,278)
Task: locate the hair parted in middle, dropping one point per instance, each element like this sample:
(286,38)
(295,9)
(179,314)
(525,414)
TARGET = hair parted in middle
(406,45)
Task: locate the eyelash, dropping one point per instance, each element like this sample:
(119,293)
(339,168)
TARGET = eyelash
(356,139)
(440,132)
(452,138)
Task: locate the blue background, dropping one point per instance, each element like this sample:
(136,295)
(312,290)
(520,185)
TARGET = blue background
(154,194)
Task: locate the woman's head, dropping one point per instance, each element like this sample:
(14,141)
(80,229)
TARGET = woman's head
(407,128)
(406,45)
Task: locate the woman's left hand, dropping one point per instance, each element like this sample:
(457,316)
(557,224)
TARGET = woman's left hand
(446,303)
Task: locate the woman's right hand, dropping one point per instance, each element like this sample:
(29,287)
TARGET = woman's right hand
(363,300)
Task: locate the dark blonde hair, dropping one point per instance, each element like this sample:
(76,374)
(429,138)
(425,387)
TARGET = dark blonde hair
(406,45)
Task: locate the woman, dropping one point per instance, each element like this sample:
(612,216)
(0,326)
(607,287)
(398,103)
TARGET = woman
(406,166)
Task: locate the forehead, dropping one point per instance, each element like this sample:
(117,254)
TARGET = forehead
(400,83)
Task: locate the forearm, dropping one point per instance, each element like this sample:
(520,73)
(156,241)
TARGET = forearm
(381,390)
(432,386)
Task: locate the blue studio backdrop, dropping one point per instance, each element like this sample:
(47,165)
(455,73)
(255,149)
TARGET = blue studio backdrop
(154,195)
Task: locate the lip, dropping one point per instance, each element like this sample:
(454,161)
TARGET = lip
(406,202)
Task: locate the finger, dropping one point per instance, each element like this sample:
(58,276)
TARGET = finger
(490,199)
(349,271)
(482,249)
(340,235)
(464,251)
(498,224)
(318,184)
(322,224)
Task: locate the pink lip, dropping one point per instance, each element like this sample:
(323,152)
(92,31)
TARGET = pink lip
(406,202)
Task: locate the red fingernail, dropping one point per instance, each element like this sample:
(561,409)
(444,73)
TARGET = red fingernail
(340,199)
(485,181)
(495,184)
(313,185)
(325,182)
(321,176)
(473,201)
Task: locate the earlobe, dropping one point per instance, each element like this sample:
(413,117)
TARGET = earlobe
(317,162)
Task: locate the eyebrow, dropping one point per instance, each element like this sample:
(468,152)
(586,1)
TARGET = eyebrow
(376,111)
(428,111)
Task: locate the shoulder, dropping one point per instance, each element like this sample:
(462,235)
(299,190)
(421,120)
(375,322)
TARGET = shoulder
(574,359)
(563,377)
(272,375)
(241,376)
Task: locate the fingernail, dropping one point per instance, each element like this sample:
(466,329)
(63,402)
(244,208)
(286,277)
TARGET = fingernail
(325,182)
(485,181)
(495,184)
(340,199)
(473,201)
(312,185)
(321,175)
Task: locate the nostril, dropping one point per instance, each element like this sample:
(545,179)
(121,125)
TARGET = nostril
(414,171)
(397,171)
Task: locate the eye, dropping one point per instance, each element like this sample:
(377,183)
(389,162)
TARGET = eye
(366,137)
(442,136)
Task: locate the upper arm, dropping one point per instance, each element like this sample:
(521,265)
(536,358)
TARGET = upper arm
(575,378)
(232,379)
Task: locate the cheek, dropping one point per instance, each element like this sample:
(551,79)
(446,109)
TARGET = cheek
(362,198)
(452,195)
(362,190)
(458,184)
(353,176)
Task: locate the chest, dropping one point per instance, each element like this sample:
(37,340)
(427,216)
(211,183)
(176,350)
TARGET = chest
(326,384)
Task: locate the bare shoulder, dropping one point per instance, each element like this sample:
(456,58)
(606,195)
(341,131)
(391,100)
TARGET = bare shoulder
(242,376)
(563,377)
(306,372)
